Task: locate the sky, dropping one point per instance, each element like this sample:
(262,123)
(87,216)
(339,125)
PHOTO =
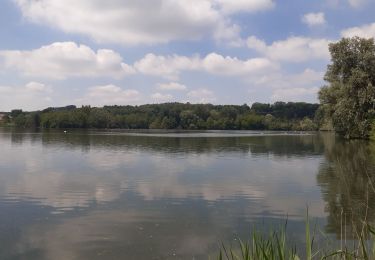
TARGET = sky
(131,52)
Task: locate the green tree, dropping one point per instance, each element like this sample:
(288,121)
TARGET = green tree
(283,116)
(99,118)
(19,121)
(15,112)
(306,125)
(348,99)
(168,123)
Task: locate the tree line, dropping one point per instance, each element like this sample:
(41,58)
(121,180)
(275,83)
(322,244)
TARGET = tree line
(347,105)
(277,116)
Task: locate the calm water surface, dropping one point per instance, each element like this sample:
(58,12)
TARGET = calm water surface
(160,195)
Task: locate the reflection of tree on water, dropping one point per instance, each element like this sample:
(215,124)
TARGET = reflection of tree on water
(280,145)
(346,181)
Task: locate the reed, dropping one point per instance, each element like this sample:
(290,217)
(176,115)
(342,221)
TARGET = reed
(274,246)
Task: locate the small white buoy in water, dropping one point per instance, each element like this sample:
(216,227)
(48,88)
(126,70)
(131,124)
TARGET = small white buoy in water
(64,131)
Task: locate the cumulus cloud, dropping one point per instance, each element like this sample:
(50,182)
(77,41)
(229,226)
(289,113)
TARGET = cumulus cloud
(230,6)
(141,21)
(307,78)
(351,3)
(166,66)
(109,95)
(202,95)
(159,97)
(366,31)
(61,60)
(37,87)
(291,87)
(293,49)
(357,3)
(301,86)
(228,33)
(31,96)
(228,66)
(314,19)
(171,86)
(170,67)
(294,94)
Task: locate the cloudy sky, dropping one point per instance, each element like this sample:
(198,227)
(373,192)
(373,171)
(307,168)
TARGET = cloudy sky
(56,53)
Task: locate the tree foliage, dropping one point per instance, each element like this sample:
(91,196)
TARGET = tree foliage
(347,102)
(278,116)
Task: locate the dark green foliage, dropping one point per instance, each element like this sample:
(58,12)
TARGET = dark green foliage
(347,102)
(5,120)
(288,110)
(15,112)
(372,133)
(280,116)
(27,120)
(54,109)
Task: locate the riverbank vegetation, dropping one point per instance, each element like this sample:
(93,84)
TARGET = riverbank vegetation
(277,116)
(277,245)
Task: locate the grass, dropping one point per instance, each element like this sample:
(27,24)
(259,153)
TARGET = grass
(274,246)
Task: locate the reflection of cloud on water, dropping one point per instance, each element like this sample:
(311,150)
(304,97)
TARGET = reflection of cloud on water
(116,234)
(280,186)
(66,178)
(61,191)
(62,179)
(109,160)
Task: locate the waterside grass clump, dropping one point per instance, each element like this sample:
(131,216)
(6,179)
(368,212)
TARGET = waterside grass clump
(276,246)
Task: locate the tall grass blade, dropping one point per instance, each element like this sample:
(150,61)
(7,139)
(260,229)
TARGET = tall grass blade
(308,238)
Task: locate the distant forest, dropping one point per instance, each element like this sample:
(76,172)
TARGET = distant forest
(298,116)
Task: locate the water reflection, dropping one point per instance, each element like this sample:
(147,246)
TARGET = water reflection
(347,180)
(91,195)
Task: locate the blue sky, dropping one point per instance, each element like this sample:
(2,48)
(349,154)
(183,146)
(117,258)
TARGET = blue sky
(93,52)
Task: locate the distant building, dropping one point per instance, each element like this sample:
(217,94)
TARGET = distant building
(2,115)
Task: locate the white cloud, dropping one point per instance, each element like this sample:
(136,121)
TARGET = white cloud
(314,19)
(295,94)
(357,3)
(109,95)
(228,66)
(31,96)
(38,87)
(201,96)
(302,86)
(234,6)
(226,32)
(293,49)
(366,31)
(61,60)
(166,66)
(141,21)
(159,97)
(352,3)
(170,67)
(290,87)
(308,78)
(171,86)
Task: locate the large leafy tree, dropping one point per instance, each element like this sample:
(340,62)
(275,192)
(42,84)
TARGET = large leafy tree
(347,102)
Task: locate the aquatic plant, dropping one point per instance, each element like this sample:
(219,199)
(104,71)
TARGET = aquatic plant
(274,246)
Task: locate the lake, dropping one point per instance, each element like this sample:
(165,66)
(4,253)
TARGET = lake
(173,195)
